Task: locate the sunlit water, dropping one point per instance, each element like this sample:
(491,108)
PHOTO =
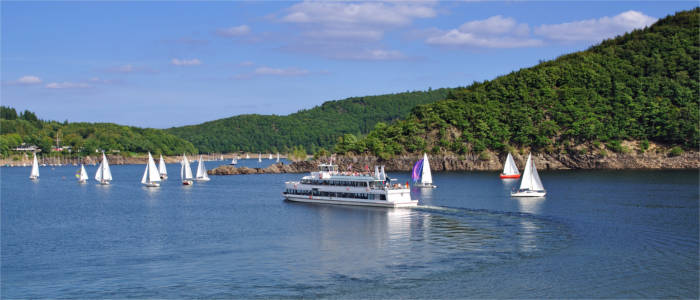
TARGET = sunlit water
(596,234)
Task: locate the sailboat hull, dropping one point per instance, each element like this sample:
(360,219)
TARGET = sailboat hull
(203,179)
(425,185)
(163,176)
(104,182)
(34,178)
(528,193)
(152,184)
(504,176)
(187,182)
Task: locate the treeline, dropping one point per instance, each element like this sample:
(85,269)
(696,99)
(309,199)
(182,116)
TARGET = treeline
(84,138)
(641,86)
(307,130)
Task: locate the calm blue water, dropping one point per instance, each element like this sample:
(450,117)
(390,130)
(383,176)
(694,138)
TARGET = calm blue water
(628,234)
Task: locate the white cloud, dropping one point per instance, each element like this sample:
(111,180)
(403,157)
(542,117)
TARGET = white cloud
(24,80)
(234,31)
(67,85)
(493,32)
(596,29)
(185,62)
(345,34)
(366,13)
(280,72)
(372,54)
(129,68)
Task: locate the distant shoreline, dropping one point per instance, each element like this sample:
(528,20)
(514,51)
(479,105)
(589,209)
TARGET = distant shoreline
(117,159)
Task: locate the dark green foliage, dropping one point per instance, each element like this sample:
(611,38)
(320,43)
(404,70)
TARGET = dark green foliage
(319,127)
(87,137)
(639,86)
(675,151)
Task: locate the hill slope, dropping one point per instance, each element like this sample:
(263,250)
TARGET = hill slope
(641,86)
(318,127)
(27,128)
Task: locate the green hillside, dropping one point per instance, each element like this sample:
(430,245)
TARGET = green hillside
(84,138)
(641,86)
(318,127)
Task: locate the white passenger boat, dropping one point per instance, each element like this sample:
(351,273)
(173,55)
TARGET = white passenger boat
(330,186)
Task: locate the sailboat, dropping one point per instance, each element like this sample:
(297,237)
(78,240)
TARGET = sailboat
(221,157)
(161,168)
(82,174)
(259,157)
(201,171)
(421,170)
(185,171)
(247,156)
(151,177)
(234,161)
(35,169)
(270,157)
(103,175)
(278,157)
(530,184)
(510,170)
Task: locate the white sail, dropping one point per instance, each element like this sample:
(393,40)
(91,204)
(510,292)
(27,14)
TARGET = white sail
(201,170)
(83,173)
(278,157)
(247,156)
(270,157)
(185,170)
(531,180)
(103,171)
(259,157)
(35,168)
(426,176)
(150,174)
(509,168)
(161,166)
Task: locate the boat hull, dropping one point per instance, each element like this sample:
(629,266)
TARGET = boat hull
(425,185)
(152,184)
(528,193)
(104,182)
(163,177)
(187,182)
(348,201)
(504,176)
(203,179)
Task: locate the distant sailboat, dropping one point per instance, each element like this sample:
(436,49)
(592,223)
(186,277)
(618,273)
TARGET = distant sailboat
(234,161)
(246,156)
(185,171)
(421,170)
(151,177)
(278,157)
(222,157)
(161,168)
(82,174)
(35,169)
(510,170)
(530,184)
(270,157)
(201,171)
(103,175)
(259,157)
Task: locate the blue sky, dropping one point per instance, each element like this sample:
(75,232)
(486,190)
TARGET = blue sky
(163,64)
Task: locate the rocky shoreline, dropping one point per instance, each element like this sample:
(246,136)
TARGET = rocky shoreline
(490,162)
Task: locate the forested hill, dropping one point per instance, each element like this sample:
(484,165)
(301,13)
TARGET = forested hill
(84,138)
(315,128)
(642,86)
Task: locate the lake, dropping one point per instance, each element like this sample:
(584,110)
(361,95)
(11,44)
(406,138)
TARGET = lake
(597,234)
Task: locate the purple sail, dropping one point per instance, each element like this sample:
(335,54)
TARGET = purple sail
(417,169)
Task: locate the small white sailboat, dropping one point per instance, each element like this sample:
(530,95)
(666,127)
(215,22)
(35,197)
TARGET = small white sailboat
(510,170)
(82,175)
(247,156)
(185,171)
(221,157)
(530,184)
(161,168)
(151,177)
(103,175)
(270,157)
(259,157)
(234,161)
(421,170)
(278,157)
(34,174)
(201,171)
